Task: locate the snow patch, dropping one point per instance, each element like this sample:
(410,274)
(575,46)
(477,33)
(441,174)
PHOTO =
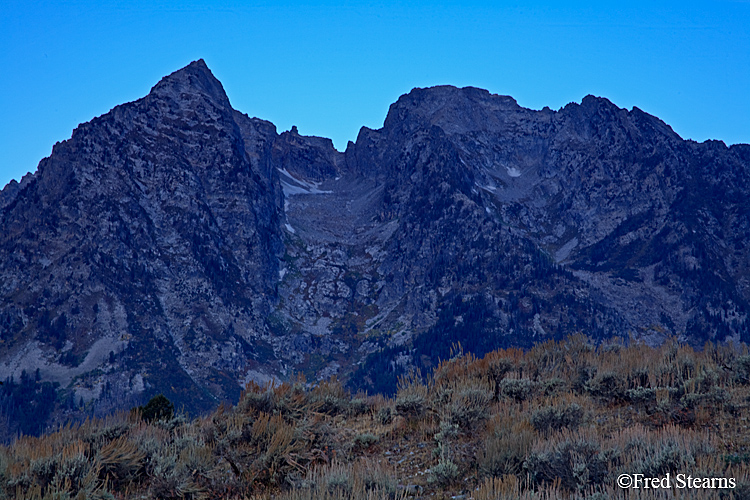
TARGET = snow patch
(292,185)
(563,252)
(513,171)
(289,228)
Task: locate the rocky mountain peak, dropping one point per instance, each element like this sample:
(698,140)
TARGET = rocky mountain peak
(192,80)
(595,114)
(455,110)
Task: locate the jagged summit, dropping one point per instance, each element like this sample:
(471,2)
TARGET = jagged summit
(195,78)
(451,108)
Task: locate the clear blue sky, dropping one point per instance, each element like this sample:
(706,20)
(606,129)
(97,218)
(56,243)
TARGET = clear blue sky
(332,67)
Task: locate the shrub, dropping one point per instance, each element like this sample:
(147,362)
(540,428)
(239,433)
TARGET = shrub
(330,397)
(447,433)
(608,385)
(639,378)
(640,395)
(557,418)
(670,457)
(444,473)
(120,460)
(256,399)
(338,478)
(365,440)
(505,454)
(717,398)
(705,381)
(157,408)
(376,477)
(469,405)
(358,406)
(337,481)
(384,415)
(63,472)
(742,370)
(411,401)
(577,463)
(498,368)
(552,386)
(519,389)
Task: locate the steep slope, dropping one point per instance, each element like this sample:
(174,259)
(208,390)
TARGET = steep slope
(177,245)
(508,225)
(141,257)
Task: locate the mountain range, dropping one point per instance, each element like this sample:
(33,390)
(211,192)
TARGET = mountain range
(175,245)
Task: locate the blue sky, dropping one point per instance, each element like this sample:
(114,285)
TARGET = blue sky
(332,67)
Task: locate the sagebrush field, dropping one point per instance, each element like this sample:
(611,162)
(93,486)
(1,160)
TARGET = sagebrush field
(561,420)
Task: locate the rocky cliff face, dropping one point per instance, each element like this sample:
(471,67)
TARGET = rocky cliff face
(176,245)
(142,256)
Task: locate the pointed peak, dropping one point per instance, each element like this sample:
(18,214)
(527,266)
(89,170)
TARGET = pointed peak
(195,78)
(200,63)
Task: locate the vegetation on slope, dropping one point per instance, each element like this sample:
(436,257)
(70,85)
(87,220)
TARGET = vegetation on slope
(561,420)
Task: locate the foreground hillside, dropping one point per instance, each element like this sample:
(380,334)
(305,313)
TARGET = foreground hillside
(562,420)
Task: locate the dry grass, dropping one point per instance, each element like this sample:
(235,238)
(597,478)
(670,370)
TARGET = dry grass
(562,420)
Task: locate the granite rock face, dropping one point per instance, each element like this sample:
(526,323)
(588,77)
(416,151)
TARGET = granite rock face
(176,245)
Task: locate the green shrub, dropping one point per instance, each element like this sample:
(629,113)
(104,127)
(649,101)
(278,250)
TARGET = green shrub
(376,477)
(716,398)
(358,406)
(505,451)
(639,378)
(608,385)
(330,397)
(498,368)
(704,382)
(448,431)
(557,417)
(552,386)
(670,457)
(519,389)
(384,415)
(742,370)
(578,464)
(640,395)
(444,473)
(171,478)
(411,401)
(365,440)
(256,400)
(470,406)
(157,408)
